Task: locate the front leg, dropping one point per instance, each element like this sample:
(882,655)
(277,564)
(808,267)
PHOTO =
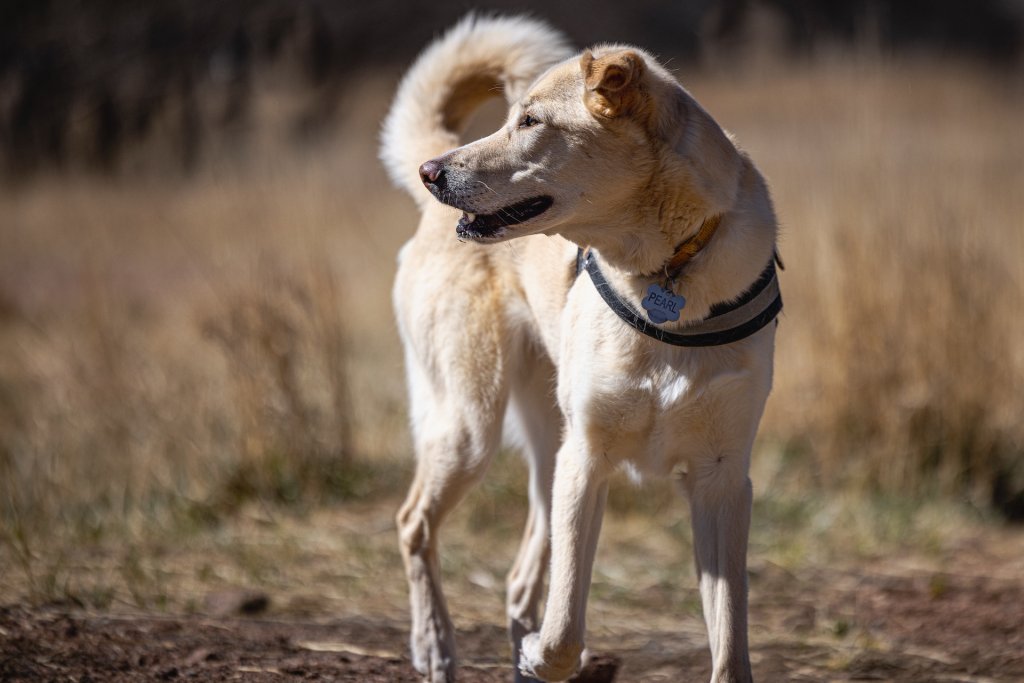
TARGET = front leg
(720,503)
(580,492)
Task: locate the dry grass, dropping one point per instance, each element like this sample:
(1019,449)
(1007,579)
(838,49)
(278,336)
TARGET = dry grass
(193,342)
(900,363)
(171,351)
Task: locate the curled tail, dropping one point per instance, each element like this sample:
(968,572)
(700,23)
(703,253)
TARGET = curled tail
(473,61)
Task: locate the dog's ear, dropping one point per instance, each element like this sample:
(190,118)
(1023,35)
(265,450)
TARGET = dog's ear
(612,82)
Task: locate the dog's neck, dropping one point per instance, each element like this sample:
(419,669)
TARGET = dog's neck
(718,254)
(646,249)
(670,217)
(627,254)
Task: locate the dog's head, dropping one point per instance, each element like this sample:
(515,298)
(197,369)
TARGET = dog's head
(601,139)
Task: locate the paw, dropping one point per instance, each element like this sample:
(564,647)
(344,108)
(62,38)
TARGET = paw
(434,665)
(519,631)
(547,664)
(432,656)
(520,677)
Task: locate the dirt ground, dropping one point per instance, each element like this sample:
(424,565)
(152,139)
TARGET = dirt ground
(871,624)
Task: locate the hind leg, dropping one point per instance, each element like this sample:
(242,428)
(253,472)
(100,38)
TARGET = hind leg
(455,441)
(539,421)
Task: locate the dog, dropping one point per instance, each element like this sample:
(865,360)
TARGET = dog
(615,192)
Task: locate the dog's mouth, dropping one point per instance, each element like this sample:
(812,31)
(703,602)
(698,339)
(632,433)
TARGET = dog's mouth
(480,226)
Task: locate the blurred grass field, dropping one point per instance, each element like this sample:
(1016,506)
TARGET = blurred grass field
(198,368)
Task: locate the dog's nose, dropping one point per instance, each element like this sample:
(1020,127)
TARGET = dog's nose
(431,172)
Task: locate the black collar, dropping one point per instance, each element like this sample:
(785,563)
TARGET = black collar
(727,322)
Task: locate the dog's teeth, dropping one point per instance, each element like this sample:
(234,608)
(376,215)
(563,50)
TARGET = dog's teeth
(470,216)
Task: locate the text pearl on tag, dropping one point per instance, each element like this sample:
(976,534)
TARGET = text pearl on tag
(662,305)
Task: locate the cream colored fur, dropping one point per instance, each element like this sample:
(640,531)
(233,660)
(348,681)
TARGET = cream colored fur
(632,165)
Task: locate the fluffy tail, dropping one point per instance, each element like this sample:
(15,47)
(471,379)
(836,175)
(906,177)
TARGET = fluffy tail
(452,77)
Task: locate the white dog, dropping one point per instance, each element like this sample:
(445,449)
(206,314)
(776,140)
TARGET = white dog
(658,357)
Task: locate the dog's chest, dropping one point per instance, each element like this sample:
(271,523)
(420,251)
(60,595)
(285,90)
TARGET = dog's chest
(651,408)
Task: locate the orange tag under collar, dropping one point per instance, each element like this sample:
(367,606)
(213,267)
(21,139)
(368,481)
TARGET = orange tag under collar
(691,247)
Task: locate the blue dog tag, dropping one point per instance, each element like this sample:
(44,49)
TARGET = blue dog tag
(662,305)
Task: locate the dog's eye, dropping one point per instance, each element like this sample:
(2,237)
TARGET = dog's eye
(528,121)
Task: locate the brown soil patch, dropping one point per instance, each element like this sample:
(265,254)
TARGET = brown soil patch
(818,626)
